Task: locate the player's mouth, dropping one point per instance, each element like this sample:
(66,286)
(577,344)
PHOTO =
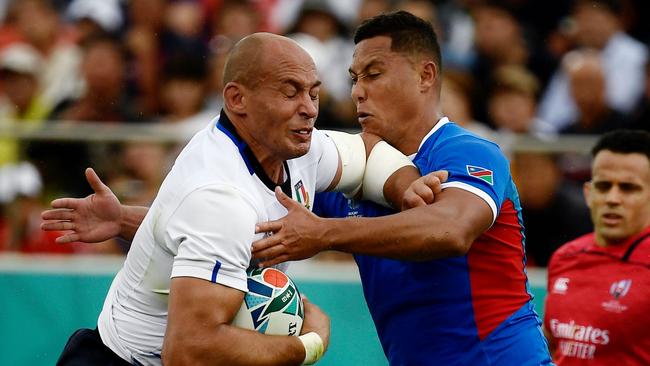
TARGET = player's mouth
(303,134)
(363,116)
(611,219)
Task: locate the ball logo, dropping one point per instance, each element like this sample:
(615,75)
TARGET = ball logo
(272,304)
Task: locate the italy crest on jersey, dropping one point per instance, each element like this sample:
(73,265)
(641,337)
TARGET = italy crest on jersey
(302,196)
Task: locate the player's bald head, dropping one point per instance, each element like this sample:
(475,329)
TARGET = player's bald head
(253,57)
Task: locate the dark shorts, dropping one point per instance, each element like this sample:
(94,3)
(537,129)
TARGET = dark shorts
(85,347)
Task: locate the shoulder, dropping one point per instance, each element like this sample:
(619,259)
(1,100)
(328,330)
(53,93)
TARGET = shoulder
(572,248)
(456,141)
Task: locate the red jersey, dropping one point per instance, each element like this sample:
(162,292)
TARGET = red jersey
(598,302)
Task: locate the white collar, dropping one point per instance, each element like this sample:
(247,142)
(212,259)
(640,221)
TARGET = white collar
(443,121)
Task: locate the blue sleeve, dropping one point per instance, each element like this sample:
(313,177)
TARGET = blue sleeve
(474,165)
(334,204)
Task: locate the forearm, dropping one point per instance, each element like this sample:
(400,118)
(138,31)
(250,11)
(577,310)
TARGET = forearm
(416,234)
(130,220)
(228,345)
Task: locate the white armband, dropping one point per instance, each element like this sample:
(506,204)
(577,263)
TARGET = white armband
(352,153)
(384,160)
(314,347)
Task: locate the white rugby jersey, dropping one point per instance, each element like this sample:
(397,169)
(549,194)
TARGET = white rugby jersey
(202,224)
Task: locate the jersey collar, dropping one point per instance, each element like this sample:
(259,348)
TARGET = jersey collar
(254,166)
(441,122)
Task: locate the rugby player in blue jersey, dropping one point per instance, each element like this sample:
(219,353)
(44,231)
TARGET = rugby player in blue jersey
(446,282)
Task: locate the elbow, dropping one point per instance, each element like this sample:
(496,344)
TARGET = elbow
(452,243)
(458,246)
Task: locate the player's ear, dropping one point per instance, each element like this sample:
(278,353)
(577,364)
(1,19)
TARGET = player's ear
(233,98)
(429,74)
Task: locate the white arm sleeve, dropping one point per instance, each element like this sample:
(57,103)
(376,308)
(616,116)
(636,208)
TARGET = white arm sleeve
(352,152)
(384,160)
(328,159)
(214,226)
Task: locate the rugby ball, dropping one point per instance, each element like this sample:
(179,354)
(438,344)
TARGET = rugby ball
(272,305)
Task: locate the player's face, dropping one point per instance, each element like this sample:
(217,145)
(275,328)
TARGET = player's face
(285,105)
(619,195)
(385,84)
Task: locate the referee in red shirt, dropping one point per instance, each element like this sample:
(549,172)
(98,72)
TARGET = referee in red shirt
(597,307)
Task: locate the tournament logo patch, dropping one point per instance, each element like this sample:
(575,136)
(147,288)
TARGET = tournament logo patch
(481,173)
(302,196)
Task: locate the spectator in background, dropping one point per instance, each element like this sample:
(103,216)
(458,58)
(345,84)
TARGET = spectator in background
(183,92)
(512,101)
(91,18)
(552,208)
(39,25)
(597,26)
(455,101)
(588,86)
(641,117)
(103,100)
(500,41)
(326,38)
(597,303)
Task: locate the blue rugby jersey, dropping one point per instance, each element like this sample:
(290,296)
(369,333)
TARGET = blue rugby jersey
(469,310)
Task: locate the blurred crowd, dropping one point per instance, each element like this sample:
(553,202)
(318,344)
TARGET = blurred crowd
(510,67)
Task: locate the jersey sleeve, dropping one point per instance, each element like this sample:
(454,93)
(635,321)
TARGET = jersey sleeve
(328,160)
(476,166)
(214,226)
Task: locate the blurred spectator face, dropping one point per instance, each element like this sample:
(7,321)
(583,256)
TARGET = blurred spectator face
(539,179)
(183,98)
(319,24)
(19,88)
(147,13)
(455,103)
(618,195)
(236,21)
(587,82)
(144,160)
(37,21)
(184,18)
(103,69)
(495,31)
(420,8)
(370,8)
(512,110)
(594,25)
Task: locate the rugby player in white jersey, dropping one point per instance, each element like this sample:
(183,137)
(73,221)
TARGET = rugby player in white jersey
(185,276)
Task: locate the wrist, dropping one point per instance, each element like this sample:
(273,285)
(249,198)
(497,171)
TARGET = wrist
(314,347)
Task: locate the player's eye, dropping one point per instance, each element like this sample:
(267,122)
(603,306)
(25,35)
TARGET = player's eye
(602,186)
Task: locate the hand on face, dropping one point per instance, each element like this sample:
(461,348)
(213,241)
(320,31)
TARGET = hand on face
(295,236)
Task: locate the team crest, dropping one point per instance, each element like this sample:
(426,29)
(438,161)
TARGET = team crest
(302,196)
(481,173)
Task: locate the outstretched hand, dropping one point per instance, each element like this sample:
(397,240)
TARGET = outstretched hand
(295,236)
(423,191)
(92,219)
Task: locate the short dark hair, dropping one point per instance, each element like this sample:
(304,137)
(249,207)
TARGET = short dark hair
(613,6)
(408,34)
(624,142)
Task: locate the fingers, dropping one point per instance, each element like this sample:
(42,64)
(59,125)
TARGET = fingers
(71,203)
(58,214)
(58,226)
(274,261)
(95,183)
(268,227)
(411,200)
(442,175)
(67,238)
(285,200)
(265,243)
